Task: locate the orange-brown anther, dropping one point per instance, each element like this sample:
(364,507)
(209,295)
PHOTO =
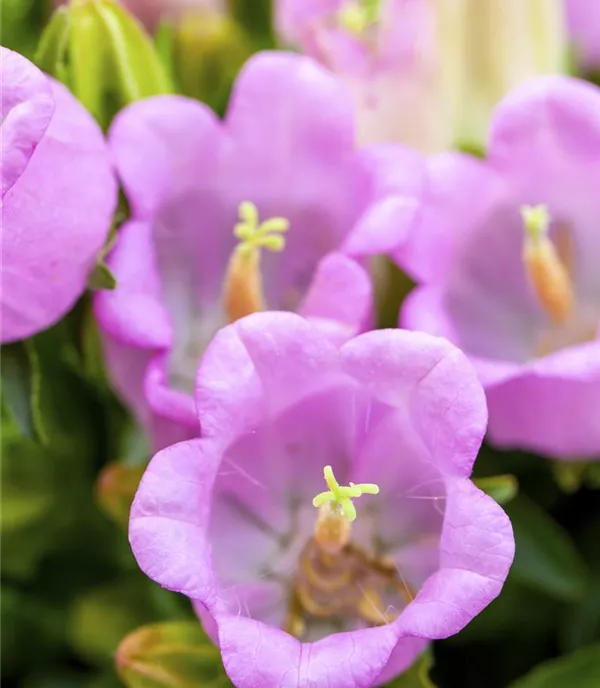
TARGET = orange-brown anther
(243,293)
(242,288)
(333,529)
(547,273)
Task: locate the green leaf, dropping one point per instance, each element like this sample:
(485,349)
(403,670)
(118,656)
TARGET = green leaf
(22,507)
(91,360)
(22,22)
(42,493)
(593,475)
(63,412)
(546,557)
(501,488)
(170,655)
(32,631)
(101,278)
(581,622)
(137,67)
(102,617)
(107,679)
(578,670)
(19,369)
(417,676)
(51,53)
(519,614)
(55,678)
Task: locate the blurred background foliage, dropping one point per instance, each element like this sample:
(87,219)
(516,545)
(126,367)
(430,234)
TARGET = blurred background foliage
(76,611)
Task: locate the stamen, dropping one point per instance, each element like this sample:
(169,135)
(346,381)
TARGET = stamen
(358,16)
(243,289)
(371,607)
(547,273)
(337,511)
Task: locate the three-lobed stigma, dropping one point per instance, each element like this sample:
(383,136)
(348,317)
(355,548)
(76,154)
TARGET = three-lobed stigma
(342,496)
(337,512)
(253,235)
(357,16)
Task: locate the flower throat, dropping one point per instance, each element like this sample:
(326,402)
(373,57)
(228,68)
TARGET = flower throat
(336,580)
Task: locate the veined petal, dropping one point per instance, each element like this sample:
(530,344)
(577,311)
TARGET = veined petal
(59,198)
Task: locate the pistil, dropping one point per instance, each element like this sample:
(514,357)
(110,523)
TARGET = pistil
(337,512)
(336,579)
(548,273)
(243,286)
(357,16)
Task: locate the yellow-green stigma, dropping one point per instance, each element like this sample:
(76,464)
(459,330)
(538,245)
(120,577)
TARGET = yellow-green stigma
(337,511)
(243,290)
(547,271)
(358,16)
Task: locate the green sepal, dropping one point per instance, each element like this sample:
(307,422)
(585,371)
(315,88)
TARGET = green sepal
(138,71)
(88,57)
(51,53)
(101,278)
(170,655)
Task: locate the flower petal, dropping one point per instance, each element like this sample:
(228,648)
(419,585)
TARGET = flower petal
(550,122)
(169,153)
(277,93)
(439,383)
(423,310)
(162,145)
(134,312)
(294,17)
(340,295)
(384,227)
(403,656)
(549,406)
(165,401)
(27,109)
(477,549)
(458,193)
(266,360)
(258,656)
(583,18)
(64,198)
(169,518)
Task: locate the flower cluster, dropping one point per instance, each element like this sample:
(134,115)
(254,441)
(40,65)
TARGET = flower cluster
(311,488)
(185,265)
